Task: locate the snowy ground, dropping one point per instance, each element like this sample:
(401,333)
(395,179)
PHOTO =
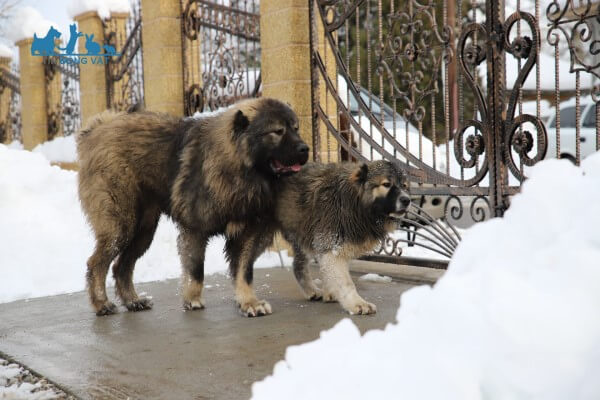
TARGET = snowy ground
(18,383)
(514,317)
(45,240)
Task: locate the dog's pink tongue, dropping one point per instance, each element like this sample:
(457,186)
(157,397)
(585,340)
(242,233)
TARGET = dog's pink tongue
(296,167)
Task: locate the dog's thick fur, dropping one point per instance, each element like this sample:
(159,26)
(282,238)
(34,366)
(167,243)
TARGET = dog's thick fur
(336,212)
(214,175)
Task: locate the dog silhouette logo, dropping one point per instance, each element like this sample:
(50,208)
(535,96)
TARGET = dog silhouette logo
(47,45)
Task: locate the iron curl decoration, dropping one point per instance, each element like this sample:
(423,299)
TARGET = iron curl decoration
(470,56)
(475,145)
(477,211)
(389,247)
(582,19)
(456,211)
(521,141)
(517,139)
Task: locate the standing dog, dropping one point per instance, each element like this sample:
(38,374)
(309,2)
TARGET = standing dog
(214,175)
(337,212)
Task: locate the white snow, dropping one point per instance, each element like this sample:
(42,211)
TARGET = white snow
(514,317)
(59,149)
(20,390)
(371,277)
(45,240)
(5,51)
(102,7)
(25,22)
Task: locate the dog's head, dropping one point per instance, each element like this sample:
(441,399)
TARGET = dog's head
(267,131)
(384,187)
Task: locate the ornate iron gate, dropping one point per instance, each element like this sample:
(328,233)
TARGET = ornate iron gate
(125,72)
(453,92)
(10,117)
(221,52)
(62,97)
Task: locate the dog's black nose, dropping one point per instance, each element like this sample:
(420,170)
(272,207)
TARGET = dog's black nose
(302,148)
(405,201)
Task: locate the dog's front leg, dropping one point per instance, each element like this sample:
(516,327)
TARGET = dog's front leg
(338,284)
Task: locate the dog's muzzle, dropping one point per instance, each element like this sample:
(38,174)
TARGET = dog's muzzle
(402,203)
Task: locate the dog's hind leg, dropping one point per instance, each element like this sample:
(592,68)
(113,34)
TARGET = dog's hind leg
(123,267)
(192,246)
(303,276)
(98,263)
(338,284)
(242,251)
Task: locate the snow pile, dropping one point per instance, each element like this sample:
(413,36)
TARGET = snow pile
(5,51)
(59,149)
(102,7)
(14,384)
(375,278)
(25,22)
(515,316)
(45,240)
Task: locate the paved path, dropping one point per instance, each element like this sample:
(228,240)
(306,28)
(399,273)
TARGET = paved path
(167,353)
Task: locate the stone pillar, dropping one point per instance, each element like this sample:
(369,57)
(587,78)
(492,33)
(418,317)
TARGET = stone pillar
(92,77)
(285,40)
(33,96)
(285,57)
(5,136)
(163,70)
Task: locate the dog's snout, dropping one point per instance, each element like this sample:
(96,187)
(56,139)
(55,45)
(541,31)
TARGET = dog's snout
(404,201)
(302,148)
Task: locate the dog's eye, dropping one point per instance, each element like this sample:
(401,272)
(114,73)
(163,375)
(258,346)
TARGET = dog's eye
(386,184)
(279,132)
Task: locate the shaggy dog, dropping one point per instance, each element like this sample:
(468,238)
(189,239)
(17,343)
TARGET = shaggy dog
(337,212)
(215,175)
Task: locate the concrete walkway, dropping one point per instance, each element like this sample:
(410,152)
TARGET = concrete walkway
(167,353)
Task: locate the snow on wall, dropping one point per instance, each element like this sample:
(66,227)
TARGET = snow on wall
(102,7)
(45,240)
(5,51)
(25,22)
(514,317)
(58,149)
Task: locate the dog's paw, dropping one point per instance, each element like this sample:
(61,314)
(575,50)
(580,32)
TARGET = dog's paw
(108,308)
(141,304)
(191,305)
(329,297)
(255,308)
(314,294)
(361,307)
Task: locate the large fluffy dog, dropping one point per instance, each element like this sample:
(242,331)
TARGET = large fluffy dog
(336,212)
(214,175)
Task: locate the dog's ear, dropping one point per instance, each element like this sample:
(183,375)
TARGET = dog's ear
(240,123)
(360,174)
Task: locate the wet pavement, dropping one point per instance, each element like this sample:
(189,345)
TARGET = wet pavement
(167,353)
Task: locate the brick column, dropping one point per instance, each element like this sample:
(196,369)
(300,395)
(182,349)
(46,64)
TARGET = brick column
(163,71)
(285,57)
(5,92)
(33,96)
(92,77)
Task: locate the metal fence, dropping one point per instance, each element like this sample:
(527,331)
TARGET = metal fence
(454,92)
(125,72)
(62,97)
(10,112)
(221,52)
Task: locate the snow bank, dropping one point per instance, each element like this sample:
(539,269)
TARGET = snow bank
(45,240)
(102,7)
(375,278)
(25,22)
(515,316)
(5,51)
(59,149)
